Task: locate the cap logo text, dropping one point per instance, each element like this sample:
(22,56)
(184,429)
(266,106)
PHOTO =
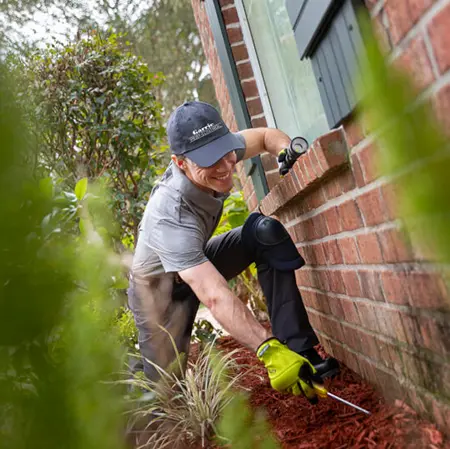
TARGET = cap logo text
(205,131)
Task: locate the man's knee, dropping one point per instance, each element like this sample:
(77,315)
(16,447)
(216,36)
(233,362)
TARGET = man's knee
(268,239)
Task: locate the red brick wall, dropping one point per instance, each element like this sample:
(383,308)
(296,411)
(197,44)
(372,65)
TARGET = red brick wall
(373,294)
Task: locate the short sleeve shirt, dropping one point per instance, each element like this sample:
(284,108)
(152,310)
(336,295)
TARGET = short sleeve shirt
(178,221)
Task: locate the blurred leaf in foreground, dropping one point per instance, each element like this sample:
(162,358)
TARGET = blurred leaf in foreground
(56,353)
(414,149)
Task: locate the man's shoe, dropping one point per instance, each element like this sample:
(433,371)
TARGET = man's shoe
(326,368)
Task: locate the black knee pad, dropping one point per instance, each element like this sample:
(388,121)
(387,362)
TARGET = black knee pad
(268,239)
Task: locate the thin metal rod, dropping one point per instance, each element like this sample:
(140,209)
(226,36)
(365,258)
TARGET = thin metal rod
(348,403)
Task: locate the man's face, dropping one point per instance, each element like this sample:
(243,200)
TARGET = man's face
(217,178)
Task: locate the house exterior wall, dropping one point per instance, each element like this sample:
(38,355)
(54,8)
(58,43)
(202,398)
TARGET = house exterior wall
(373,294)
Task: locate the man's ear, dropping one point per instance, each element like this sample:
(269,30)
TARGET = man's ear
(178,162)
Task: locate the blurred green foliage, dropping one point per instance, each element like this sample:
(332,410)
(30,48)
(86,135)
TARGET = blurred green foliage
(92,112)
(126,327)
(251,430)
(414,149)
(57,351)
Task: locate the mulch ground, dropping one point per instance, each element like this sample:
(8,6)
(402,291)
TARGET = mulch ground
(299,425)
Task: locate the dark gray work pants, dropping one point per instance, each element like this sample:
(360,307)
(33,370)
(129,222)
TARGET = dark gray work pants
(173,305)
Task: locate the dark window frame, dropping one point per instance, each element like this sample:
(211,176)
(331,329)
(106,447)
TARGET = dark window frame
(253,167)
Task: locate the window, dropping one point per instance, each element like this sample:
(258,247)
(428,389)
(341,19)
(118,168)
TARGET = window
(290,82)
(327,34)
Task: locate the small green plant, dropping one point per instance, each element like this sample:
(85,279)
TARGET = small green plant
(205,332)
(184,407)
(235,212)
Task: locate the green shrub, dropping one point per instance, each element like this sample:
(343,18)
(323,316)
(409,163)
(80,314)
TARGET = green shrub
(91,109)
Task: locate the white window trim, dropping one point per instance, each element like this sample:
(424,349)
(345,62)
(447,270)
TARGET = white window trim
(254,61)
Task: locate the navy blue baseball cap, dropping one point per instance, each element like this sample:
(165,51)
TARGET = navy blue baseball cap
(196,130)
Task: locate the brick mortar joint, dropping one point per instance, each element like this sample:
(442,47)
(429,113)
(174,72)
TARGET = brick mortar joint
(420,26)
(412,267)
(422,353)
(403,381)
(339,141)
(439,315)
(230,6)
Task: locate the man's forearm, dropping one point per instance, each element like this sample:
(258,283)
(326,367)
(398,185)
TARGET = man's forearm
(212,290)
(237,320)
(275,141)
(260,140)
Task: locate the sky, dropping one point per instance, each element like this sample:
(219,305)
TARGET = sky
(51,22)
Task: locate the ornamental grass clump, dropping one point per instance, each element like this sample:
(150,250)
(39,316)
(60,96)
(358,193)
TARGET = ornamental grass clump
(180,410)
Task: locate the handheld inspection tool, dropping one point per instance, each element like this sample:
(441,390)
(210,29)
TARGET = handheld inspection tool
(288,156)
(322,392)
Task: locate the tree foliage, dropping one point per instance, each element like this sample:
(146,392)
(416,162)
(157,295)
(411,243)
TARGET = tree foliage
(92,109)
(162,32)
(165,35)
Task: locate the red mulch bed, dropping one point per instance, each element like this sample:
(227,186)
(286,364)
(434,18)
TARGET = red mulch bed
(331,425)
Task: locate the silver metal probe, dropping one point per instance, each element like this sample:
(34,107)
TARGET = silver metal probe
(348,403)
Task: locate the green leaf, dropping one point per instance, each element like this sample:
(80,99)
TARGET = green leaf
(46,187)
(81,188)
(82,226)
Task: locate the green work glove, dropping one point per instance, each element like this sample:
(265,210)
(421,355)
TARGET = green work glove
(285,368)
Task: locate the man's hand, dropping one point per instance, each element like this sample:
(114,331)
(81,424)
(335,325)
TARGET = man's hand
(286,159)
(285,368)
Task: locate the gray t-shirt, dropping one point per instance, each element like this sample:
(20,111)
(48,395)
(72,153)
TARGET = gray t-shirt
(178,221)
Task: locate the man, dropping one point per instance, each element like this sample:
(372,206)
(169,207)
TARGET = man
(177,263)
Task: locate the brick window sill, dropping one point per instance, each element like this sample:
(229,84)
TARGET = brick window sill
(327,154)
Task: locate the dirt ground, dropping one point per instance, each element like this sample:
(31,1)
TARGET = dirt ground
(299,425)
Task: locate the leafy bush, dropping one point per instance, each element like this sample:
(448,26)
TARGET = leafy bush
(128,333)
(235,212)
(92,112)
